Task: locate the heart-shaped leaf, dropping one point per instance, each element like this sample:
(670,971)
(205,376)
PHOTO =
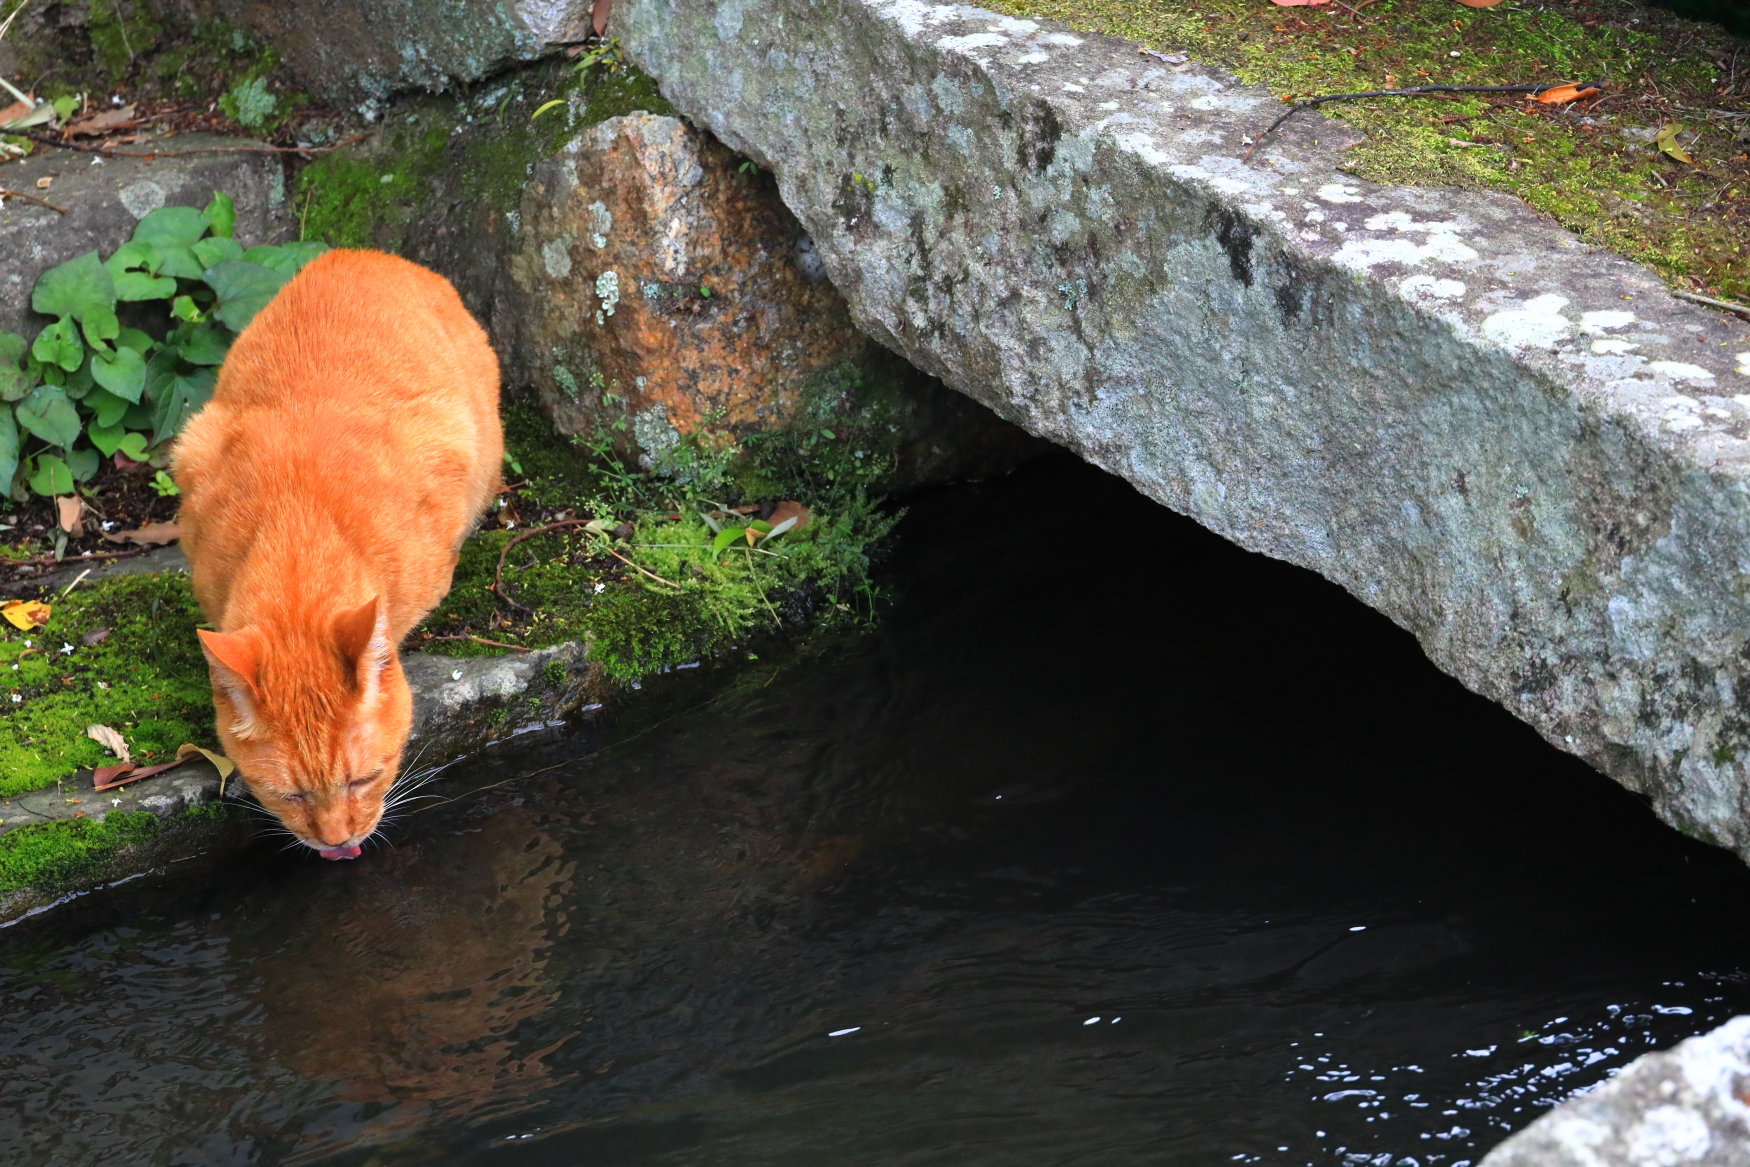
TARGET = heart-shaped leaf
(100,325)
(122,373)
(106,408)
(243,288)
(8,449)
(285,258)
(134,446)
(83,463)
(59,345)
(182,399)
(217,249)
(206,345)
(107,438)
(222,214)
(172,227)
(135,339)
(49,415)
(74,288)
(50,476)
(133,286)
(133,257)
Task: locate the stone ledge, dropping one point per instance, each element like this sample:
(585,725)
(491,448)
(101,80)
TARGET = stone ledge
(1689,1104)
(1511,444)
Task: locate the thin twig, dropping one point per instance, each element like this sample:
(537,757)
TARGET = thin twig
(483,640)
(112,153)
(1741,309)
(22,6)
(77,580)
(1417,91)
(18,194)
(48,559)
(635,567)
(498,576)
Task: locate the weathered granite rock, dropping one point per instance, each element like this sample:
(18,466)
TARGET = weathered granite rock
(1687,1105)
(655,280)
(104,198)
(1521,450)
(355,50)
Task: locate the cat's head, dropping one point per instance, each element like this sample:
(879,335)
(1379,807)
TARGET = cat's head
(315,713)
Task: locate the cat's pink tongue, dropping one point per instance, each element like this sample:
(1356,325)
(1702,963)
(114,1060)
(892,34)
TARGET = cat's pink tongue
(350,851)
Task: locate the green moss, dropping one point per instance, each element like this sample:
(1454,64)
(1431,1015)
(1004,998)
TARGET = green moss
(1575,163)
(147,680)
(355,199)
(49,856)
(119,34)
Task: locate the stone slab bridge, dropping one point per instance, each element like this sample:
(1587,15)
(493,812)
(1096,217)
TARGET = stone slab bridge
(1521,449)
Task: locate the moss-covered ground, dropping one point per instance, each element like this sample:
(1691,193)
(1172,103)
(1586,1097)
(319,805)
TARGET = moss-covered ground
(1592,165)
(145,678)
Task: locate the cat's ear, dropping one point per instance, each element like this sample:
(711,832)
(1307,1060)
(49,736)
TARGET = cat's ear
(362,637)
(234,658)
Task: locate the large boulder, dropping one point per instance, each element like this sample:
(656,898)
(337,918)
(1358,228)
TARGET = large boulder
(1683,1107)
(655,277)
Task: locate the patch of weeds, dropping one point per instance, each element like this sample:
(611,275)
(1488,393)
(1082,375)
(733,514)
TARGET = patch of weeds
(146,679)
(1591,165)
(51,855)
(664,565)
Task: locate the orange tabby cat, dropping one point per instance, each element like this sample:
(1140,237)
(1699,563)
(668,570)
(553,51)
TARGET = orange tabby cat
(351,444)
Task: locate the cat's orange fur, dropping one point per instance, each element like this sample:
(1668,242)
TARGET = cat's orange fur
(351,444)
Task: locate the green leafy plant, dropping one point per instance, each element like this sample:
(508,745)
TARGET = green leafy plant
(89,387)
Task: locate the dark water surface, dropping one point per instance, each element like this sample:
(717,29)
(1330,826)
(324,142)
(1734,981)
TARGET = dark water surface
(1114,845)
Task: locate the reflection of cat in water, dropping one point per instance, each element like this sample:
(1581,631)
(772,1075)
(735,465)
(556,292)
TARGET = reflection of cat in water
(351,444)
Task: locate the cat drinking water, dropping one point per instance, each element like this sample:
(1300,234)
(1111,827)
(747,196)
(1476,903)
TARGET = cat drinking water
(351,444)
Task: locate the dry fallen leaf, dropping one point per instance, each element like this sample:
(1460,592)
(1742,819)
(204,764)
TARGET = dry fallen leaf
(1479,3)
(122,773)
(69,508)
(154,533)
(224,765)
(1666,140)
(109,739)
(1562,94)
(101,123)
(791,510)
(45,182)
(26,615)
(95,637)
(1298,3)
(15,111)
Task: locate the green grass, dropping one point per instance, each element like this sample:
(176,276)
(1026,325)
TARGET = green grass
(147,680)
(1689,222)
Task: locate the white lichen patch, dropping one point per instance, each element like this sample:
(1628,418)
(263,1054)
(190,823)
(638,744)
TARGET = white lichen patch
(1336,192)
(1679,370)
(607,287)
(965,44)
(1425,289)
(1613,348)
(1441,243)
(1744,364)
(600,223)
(1597,323)
(556,258)
(1539,323)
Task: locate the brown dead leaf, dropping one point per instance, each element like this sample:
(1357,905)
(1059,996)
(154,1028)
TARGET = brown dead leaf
(25,615)
(94,637)
(598,16)
(110,740)
(1563,94)
(15,111)
(70,509)
(122,773)
(45,182)
(1479,3)
(1298,3)
(791,510)
(188,751)
(156,534)
(121,118)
